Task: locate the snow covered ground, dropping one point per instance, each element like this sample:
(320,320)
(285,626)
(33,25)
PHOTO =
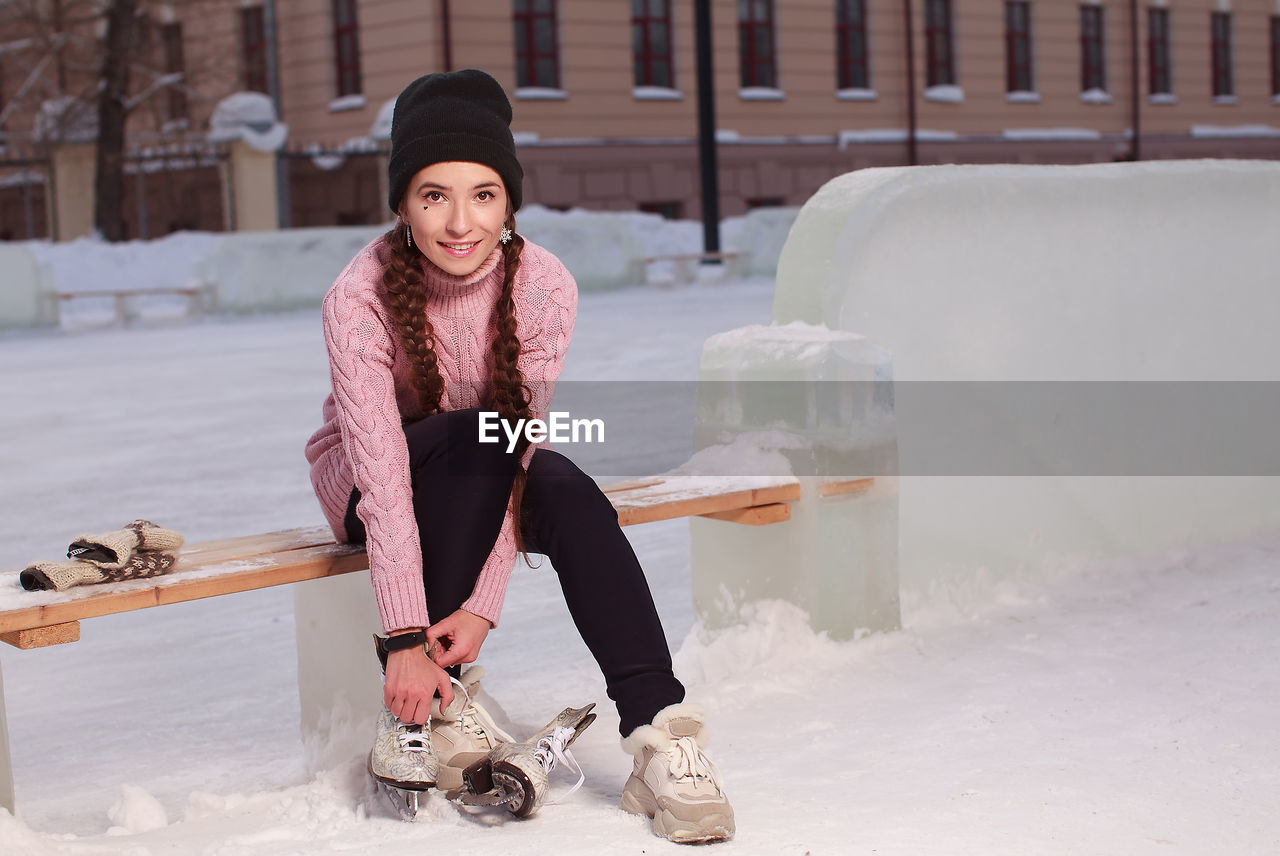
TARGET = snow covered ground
(1121,707)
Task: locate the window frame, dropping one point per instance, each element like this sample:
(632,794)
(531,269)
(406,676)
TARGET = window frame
(940,66)
(347,75)
(1097,40)
(1275,56)
(1159,51)
(647,62)
(750,63)
(847,66)
(176,104)
(253,48)
(526,43)
(1220,60)
(1011,37)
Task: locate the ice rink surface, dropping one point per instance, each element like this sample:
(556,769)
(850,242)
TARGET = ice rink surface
(1121,707)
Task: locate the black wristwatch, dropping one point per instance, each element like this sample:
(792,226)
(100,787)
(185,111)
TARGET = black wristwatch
(412,639)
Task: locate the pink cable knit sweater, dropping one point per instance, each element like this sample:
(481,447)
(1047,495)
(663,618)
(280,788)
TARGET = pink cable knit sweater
(362,442)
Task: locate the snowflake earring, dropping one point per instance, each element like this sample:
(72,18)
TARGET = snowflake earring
(505,235)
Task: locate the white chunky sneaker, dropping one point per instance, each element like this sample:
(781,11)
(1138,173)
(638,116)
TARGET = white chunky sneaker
(674,782)
(464,732)
(401,755)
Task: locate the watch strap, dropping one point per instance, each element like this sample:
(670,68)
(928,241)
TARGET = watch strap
(412,639)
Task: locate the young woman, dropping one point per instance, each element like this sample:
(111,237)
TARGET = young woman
(446,316)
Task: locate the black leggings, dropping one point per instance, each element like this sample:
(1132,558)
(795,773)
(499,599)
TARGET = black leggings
(460,493)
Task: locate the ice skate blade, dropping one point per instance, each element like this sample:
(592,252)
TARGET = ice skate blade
(407,803)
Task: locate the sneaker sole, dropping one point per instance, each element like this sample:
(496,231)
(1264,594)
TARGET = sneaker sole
(639,800)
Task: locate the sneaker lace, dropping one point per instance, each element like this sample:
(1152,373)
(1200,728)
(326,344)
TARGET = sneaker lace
(555,747)
(689,762)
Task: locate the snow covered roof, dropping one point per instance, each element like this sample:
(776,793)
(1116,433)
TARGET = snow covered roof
(249,117)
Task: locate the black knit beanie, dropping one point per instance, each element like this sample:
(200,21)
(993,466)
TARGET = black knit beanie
(452,116)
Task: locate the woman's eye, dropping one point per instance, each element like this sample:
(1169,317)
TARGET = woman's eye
(434,196)
(484,195)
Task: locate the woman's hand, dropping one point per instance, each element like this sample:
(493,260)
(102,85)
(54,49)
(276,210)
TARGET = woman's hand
(460,637)
(412,681)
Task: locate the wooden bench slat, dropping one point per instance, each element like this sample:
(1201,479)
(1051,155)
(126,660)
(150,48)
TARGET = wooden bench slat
(845,488)
(189,584)
(676,503)
(252,562)
(247,546)
(757,515)
(43,637)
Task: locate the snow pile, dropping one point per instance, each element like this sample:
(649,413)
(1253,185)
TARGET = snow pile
(136,811)
(249,117)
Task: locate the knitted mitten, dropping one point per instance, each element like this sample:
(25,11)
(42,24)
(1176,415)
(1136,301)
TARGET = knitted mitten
(112,550)
(59,576)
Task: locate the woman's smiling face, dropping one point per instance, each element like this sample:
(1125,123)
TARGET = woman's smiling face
(456,210)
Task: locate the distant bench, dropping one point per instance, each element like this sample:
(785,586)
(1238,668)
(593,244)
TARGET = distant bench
(125,309)
(260,561)
(686,265)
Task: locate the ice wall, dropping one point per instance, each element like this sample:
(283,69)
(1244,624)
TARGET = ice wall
(278,271)
(26,293)
(1159,271)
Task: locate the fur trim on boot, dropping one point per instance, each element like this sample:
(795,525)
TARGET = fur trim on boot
(656,736)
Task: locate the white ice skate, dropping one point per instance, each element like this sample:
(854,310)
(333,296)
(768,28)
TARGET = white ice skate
(401,763)
(514,775)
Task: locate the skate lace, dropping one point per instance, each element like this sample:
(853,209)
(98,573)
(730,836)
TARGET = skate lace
(412,738)
(689,762)
(555,747)
(469,720)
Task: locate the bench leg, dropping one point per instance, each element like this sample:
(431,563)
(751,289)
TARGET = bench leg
(836,558)
(6,760)
(339,679)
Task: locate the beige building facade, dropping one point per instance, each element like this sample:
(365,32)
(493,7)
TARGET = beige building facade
(606,102)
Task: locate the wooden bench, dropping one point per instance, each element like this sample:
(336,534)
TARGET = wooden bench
(125,310)
(686,265)
(258,561)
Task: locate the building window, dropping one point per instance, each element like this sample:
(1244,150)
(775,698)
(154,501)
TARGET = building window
(346,47)
(755,44)
(851,45)
(1220,26)
(537,58)
(1275,55)
(1158,52)
(670,210)
(171,36)
(651,42)
(253,48)
(1093,72)
(937,36)
(1017,47)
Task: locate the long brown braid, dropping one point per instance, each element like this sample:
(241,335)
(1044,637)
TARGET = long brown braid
(406,298)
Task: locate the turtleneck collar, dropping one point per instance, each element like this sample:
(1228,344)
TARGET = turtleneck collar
(463,296)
